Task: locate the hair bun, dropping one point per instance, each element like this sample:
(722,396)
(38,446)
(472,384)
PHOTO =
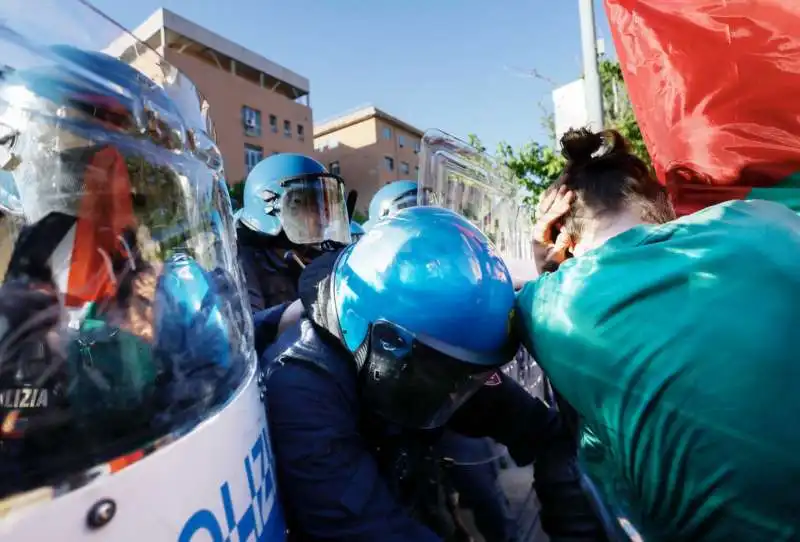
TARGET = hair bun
(579,146)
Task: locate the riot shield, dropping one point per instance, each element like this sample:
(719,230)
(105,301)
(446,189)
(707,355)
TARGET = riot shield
(457,176)
(126,354)
(476,185)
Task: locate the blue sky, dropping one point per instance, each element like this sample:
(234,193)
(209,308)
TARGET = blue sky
(448,64)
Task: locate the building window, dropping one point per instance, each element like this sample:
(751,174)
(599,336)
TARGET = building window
(301,132)
(387,133)
(416,147)
(404,168)
(416,170)
(334,168)
(389,162)
(251,121)
(273,124)
(253,154)
(287,128)
(401,141)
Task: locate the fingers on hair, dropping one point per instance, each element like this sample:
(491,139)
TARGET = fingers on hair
(607,176)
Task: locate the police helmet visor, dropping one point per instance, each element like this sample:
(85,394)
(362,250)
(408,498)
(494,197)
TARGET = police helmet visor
(127,224)
(414,382)
(403,201)
(411,198)
(313,209)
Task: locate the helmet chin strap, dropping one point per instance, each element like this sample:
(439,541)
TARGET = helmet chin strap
(315,251)
(291,256)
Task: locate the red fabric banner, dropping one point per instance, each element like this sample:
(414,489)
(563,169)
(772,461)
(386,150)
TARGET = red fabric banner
(715,87)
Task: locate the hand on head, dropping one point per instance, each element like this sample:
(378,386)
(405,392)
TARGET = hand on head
(550,243)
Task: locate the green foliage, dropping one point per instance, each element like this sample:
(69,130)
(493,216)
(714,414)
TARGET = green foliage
(359,217)
(236,191)
(473,140)
(618,111)
(538,166)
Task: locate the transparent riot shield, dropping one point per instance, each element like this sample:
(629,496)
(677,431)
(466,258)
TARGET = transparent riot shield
(457,176)
(126,350)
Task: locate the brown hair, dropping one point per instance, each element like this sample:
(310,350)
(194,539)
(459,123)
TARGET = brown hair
(608,178)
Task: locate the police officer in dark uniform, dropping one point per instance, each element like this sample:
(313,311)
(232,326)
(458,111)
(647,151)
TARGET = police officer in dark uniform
(473,464)
(404,335)
(293,208)
(293,211)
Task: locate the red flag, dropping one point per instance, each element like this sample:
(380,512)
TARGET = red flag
(714,85)
(106,211)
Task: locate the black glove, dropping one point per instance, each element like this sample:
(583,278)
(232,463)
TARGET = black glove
(567,512)
(505,412)
(534,432)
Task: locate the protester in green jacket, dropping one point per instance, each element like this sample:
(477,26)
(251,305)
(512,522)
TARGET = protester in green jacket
(675,342)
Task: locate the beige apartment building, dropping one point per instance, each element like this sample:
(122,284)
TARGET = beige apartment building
(258,107)
(368,148)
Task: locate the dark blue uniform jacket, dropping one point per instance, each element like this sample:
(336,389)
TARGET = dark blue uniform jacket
(271,279)
(328,476)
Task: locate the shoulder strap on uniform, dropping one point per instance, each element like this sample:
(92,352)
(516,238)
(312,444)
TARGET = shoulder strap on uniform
(314,349)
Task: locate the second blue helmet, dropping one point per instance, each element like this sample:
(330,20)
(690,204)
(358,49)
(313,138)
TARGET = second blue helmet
(391,198)
(295,194)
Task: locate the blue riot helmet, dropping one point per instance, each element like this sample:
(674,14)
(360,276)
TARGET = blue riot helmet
(394,197)
(391,198)
(119,183)
(190,316)
(424,304)
(295,195)
(356,231)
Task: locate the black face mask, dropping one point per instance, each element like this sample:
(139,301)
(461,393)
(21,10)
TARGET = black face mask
(414,384)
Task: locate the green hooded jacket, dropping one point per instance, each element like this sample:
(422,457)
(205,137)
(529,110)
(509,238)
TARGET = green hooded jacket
(678,347)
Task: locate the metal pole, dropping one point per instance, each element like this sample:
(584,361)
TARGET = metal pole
(591,74)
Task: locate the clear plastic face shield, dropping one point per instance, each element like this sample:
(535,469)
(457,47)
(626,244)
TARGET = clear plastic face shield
(313,209)
(129,325)
(479,187)
(411,198)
